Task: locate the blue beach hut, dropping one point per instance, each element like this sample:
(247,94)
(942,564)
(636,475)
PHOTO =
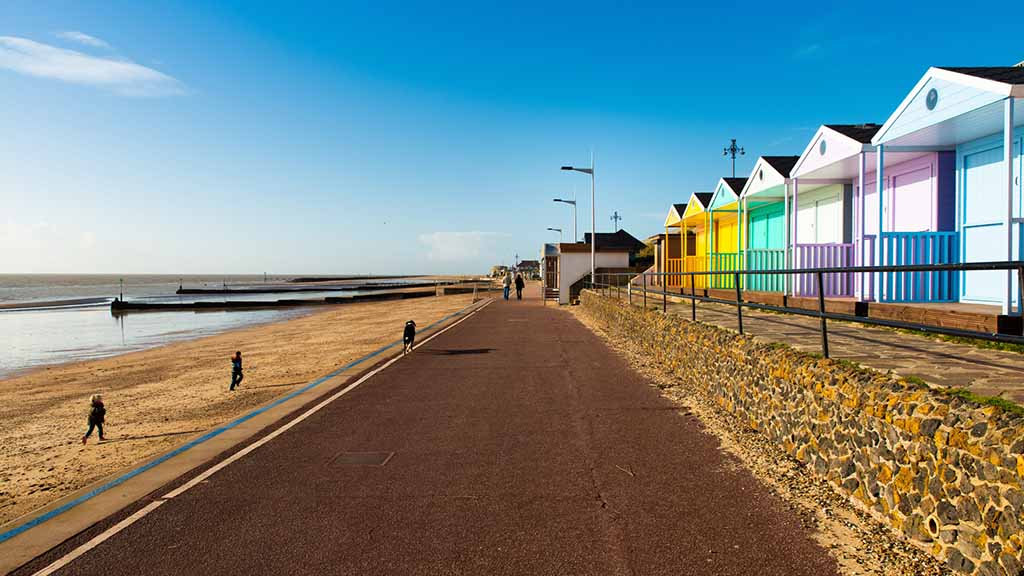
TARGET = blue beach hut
(974,113)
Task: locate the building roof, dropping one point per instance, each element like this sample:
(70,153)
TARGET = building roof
(704,197)
(680,208)
(862,133)
(528,263)
(782,164)
(736,184)
(611,240)
(1013,75)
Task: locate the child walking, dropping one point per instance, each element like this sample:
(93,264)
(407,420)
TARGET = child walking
(96,417)
(408,337)
(236,370)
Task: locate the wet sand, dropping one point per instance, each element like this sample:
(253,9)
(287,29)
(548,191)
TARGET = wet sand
(159,398)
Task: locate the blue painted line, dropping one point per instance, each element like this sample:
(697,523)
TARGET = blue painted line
(211,434)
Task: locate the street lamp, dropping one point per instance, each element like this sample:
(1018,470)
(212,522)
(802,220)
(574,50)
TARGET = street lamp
(559,230)
(593,221)
(573,204)
(732,149)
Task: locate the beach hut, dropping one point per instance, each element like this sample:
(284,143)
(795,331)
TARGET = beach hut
(694,232)
(672,246)
(763,203)
(724,231)
(973,113)
(917,221)
(821,223)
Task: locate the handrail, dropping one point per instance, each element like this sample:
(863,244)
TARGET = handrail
(821,312)
(960,267)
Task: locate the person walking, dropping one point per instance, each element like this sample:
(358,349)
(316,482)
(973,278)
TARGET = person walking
(520,284)
(507,283)
(236,370)
(97,415)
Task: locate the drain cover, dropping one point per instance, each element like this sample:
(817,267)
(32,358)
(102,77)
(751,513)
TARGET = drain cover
(363,458)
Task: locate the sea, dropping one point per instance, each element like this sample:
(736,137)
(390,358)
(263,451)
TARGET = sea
(48,319)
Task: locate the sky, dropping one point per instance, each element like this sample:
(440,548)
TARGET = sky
(379,137)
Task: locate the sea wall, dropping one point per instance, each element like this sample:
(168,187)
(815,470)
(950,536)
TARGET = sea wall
(945,472)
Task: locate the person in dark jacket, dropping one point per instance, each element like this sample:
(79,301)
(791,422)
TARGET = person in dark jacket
(408,337)
(520,284)
(236,370)
(96,417)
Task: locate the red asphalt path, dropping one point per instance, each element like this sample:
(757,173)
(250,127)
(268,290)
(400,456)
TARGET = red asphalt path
(522,445)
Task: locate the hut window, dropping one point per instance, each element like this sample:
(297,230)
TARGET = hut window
(932,99)
(821,148)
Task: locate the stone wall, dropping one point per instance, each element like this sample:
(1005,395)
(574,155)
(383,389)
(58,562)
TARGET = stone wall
(947,473)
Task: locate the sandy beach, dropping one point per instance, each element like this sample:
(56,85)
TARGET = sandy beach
(159,398)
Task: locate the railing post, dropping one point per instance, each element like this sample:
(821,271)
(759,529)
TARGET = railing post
(739,301)
(629,291)
(645,289)
(1020,290)
(821,315)
(693,298)
(664,299)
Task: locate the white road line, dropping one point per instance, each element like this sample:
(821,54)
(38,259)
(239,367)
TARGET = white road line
(110,532)
(99,539)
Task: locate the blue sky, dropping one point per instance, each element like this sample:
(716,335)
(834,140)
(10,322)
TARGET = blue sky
(334,137)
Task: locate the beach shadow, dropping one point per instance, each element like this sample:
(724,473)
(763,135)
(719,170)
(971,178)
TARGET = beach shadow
(459,352)
(240,386)
(150,436)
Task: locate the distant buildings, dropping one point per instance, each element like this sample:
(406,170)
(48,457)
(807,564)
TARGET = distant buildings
(567,265)
(530,269)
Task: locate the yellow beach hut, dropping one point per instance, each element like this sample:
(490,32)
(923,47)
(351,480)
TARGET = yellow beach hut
(724,231)
(694,228)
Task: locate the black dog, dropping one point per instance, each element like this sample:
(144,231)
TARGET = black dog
(409,337)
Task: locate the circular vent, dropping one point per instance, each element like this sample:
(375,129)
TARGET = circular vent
(822,147)
(932,99)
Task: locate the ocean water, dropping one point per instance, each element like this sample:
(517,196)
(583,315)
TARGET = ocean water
(48,319)
(27,288)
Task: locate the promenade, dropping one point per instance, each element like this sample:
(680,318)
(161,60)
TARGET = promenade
(514,443)
(985,372)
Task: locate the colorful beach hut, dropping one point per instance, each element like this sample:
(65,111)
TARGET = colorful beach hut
(724,231)
(973,113)
(821,226)
(693,231)
(671,259)
(763,204)
(917,220)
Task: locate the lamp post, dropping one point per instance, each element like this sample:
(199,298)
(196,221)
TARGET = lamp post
(559,230)
(732,149)
(593,222)
(573,204)
(615,218)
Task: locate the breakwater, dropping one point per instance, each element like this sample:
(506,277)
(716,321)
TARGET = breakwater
(119,306)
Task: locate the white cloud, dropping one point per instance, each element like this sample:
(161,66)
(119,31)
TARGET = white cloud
(809,50)
(122,76)
(82,38)
(459,246)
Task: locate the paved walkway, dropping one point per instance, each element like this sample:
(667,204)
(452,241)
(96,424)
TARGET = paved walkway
(985,372)
(519,444)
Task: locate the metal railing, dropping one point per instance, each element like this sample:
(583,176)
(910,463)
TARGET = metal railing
(691,289)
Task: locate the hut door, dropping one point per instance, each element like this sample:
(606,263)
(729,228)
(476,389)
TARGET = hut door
(982,220)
